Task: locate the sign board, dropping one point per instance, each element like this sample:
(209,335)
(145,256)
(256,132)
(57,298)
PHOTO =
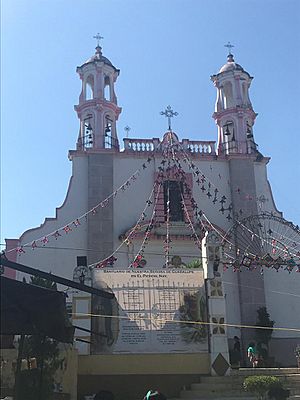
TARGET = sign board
(151,311)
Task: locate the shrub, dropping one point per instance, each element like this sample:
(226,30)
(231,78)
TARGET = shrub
(260,385)
(277,392)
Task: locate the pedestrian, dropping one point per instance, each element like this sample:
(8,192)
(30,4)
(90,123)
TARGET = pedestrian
(154,395)
(237,350)
(252,356)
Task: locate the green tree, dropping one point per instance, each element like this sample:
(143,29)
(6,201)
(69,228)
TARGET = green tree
(45,283)
(42,354)
(194,264)
(263,320)
(263,336)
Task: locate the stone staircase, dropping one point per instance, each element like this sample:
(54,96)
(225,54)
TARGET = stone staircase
(231,387)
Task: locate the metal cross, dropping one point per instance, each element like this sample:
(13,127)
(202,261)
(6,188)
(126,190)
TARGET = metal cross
(127,129)
(169,113)
(229,46)
(98,38)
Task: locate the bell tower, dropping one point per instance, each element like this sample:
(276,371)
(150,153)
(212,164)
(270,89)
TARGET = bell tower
(97,110)
(234,114)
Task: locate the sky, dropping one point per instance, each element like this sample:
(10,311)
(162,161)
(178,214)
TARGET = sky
(166,51)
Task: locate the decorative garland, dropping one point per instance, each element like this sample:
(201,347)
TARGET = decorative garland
(66,229)
(140,253)
(106,262)
(249,260)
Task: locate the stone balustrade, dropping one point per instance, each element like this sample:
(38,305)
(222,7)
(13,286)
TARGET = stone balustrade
(199,146)
(141,145)
(148,145)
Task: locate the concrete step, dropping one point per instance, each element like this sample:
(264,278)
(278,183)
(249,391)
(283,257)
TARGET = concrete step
(195,394)
(217,386)
(237,397)
(290,378)
(294,391)
(237,378)
(264,371)
(213,380)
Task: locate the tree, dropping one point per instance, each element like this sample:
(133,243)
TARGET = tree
(37,381)
(263,336)
(45,283)
(263,319)
(197,263)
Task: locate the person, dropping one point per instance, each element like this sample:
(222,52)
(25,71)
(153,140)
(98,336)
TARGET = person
(154,395)
(251,353)
(237,350)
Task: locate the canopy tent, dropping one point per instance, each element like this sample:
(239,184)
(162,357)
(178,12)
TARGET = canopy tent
(30,310)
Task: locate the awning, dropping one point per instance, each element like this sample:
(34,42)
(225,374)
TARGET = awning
(33,310)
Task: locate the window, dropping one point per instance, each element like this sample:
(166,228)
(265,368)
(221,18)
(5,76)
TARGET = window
(173,191)
(89,88)
(228,95)
(228,131)
(108,133)
(107,88)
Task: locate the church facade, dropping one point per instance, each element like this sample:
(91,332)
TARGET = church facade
(137,220)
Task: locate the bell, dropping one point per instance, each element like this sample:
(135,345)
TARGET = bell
(227,131)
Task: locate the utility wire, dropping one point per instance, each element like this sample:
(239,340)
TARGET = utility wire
(190,322)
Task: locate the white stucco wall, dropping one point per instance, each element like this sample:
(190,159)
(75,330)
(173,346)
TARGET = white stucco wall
(59,256)
(282,289)
(129,205)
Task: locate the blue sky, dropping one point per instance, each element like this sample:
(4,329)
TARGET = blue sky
(166,51)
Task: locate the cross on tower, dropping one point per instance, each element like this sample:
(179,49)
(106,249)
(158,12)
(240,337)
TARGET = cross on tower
(98,38)
(229,46)
(127,129)
(169,113)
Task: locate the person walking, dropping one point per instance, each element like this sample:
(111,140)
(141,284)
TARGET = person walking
(252,355)
(237,350)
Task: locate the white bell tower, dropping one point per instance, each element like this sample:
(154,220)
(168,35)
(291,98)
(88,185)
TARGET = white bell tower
(98,110)
(234,114)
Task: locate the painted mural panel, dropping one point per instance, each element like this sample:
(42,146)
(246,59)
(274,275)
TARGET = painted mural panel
(152,312)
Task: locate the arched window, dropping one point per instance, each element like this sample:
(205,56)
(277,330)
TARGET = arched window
(173,192)
(109,139)
(87,137)
(89,88)
(229,136)
(249,133)
(228,95)
(107,88)
(246,99)
(228,131)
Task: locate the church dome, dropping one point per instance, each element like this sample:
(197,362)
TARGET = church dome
(100,58)
(231,65)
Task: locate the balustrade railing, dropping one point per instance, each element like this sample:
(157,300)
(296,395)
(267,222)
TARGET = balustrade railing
(148,145)
(141,145)
(241,146)
(199,146)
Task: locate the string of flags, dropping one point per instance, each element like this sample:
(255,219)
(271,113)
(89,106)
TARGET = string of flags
(172,166)
(66,229)
(148,230)
(109,261)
